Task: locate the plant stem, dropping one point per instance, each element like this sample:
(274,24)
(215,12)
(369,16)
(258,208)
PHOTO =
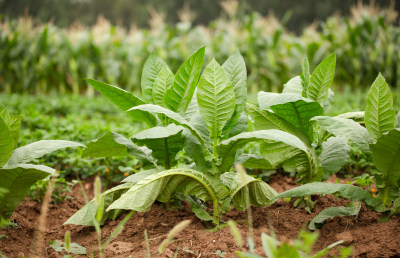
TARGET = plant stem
(216,212)
(100,245)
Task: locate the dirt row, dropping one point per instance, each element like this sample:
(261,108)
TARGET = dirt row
(368,236)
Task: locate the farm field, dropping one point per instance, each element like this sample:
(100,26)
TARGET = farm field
(225,140)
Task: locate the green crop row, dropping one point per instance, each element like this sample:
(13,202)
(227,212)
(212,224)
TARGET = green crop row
(39,58)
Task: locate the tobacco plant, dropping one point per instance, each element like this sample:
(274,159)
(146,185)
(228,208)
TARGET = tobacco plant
(205,118)
(17,175)
(382,140)
(303,98)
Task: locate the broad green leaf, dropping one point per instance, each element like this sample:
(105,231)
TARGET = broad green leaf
(386,157)
(292,159)
(293,86)
(85,215)
(235,69)
(17,181)
(254,161)
(38,149)
(123,99)
(163,82)
(140,175)
(15,126)
(350,192)
(357,116)
(178,97)
(151,69)
(216,98)
(398,120)
(13,123)
(6,143)
(264,120)
(260,193)
(174,118)
(5,115)
(193,107)
(329,100)
(160,186)
(227,148)
(200,154)
(240,126)
(321,79)
(347,128)
(165,142)
(305,76)
(268,99)
(334,155)
(299,114)
(332,212)
(113,144)
(379,114)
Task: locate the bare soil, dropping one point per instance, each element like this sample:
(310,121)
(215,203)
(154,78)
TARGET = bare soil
(368,236)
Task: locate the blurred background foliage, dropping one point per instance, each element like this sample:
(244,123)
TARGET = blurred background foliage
(60,43)
(136,12)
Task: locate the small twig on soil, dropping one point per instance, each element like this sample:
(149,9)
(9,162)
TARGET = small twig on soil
(38,242)
(154,238)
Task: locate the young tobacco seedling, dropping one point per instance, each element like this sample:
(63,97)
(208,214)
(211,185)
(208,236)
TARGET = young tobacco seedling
(202,116)
(17,175)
